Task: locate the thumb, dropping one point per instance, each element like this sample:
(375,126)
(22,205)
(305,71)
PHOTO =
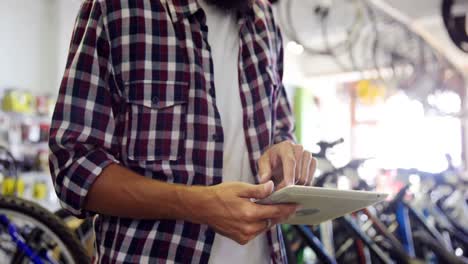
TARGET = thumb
(259,191)
(264,169)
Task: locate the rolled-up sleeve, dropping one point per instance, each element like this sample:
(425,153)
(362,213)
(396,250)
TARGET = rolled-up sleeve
(83,125)
(284,123)
(284,129)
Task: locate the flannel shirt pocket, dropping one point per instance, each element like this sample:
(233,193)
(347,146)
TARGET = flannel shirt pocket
(156,120)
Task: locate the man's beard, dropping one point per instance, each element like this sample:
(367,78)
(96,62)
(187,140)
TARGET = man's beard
(232,5)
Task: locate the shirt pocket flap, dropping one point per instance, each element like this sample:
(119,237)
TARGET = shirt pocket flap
(156,94)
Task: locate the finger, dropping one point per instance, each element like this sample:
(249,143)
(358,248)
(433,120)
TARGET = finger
(306,159)
(264,168)
(312,167)
(284,217)
(273,211)
(267,224)
(259,191)
(251,230)
(289,169)
(298,151)
(280,220)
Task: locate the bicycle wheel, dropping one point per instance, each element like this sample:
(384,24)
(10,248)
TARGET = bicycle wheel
(43,232)
(83,229)
(422,239)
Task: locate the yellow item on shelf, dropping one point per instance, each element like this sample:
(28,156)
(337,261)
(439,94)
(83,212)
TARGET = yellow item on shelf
(18,101)
(8,187)
(39,191)
(369,92)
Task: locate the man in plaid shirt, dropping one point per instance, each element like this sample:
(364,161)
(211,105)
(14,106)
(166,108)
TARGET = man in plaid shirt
(137,138)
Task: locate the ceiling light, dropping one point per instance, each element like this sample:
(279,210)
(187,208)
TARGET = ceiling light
(294,47)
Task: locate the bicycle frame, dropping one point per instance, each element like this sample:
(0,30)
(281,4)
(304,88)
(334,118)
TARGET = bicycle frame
(315,244)
(349,223)
(22,245)
(397,247)
(404,228)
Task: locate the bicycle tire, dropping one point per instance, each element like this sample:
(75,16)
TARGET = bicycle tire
(49,220)
(444,255)
(85,227)
(84,231)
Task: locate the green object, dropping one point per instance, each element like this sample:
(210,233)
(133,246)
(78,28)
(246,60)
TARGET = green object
(302,106)
(300,256)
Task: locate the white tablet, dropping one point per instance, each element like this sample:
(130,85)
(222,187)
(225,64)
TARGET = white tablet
(321,204)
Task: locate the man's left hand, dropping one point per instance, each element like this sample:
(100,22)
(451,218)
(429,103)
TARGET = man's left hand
(286,164)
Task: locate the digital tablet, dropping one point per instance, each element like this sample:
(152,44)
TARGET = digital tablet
(321,204)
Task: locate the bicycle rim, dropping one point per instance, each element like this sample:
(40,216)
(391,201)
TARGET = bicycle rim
(14,215)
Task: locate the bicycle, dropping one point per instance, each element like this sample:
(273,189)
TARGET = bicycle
(368,236)
(82,228)
(31,234)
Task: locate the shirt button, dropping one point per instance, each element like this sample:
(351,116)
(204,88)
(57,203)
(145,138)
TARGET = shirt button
(250,122)
(155,100)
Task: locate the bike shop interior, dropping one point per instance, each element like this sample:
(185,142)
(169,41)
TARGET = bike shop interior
(378,91)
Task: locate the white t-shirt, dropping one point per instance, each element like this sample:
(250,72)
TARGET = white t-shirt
(223,37)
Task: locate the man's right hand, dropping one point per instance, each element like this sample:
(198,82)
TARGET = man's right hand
(228,209)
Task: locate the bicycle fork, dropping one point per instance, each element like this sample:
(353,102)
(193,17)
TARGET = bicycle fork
(20,242)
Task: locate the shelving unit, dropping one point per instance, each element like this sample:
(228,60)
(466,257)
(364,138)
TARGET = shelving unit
(25,135)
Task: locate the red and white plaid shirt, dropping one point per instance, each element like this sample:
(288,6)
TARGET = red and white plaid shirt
(138,90)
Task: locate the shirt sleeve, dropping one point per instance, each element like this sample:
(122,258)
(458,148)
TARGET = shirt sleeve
(284,125)
(82,129)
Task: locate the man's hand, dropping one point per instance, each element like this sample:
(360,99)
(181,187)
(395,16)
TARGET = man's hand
(230,211)
(286,164)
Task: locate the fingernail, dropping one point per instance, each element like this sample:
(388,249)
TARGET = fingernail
(269,186)
(299,207)
(268,183)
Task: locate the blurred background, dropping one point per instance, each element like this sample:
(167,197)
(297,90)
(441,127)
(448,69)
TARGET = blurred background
(377,86)
(384,75)
(35,35)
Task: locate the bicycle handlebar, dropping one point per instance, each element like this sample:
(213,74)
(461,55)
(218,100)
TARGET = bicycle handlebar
(325,176)
(331,144)
(353,164)
(439,178)
(324,146)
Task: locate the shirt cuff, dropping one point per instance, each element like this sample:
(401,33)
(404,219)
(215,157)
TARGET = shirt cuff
(283,137)
(80,177)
